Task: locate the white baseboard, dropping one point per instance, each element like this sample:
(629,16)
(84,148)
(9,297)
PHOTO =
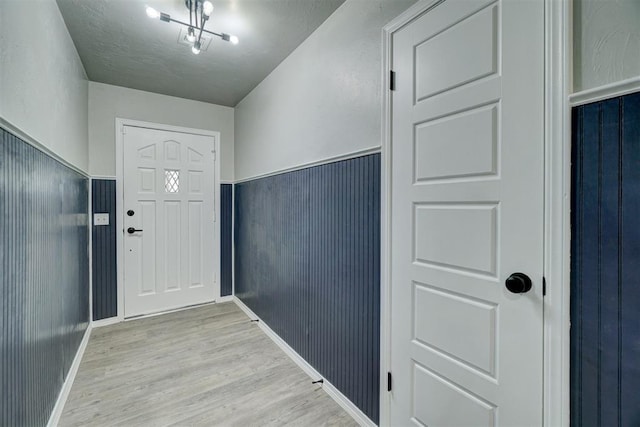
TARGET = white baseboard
(329,388)
(116,319)
(228,298)
(68,382)
(105,322)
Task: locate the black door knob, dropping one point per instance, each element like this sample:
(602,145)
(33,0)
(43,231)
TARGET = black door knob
(518,283)
(132,230)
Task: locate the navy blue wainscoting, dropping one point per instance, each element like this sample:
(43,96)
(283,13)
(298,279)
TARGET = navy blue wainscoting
(105,285)
(44,267)
(226,243)
(272,253)
(605,264)
(308,263)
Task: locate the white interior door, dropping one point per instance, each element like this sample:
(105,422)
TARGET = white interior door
(467,212)
(169,215)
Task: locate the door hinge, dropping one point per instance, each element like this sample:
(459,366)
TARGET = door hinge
(388,381)
(214,155)
(544,286)
(122,129)
(392,80)
(214,216)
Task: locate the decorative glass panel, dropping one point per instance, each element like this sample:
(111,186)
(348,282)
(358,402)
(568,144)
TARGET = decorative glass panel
(171,181)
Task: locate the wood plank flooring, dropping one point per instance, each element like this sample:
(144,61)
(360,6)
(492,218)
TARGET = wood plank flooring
(203,366)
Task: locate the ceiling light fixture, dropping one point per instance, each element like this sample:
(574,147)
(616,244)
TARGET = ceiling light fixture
(191,35)
(152,13)
(199,13)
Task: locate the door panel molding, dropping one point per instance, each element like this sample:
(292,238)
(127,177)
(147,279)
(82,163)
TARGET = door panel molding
(120,123)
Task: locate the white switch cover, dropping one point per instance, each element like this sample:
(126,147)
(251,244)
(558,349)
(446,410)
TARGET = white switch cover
(100,219)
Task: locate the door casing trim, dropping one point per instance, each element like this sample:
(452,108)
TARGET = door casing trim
(557,221)
(120,123)
(557,190)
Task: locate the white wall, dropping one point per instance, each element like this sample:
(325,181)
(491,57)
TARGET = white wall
(43,85)
(606,42)
(107,102)
(324,100)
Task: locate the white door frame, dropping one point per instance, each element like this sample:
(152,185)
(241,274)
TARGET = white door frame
(120,198)
(557,171)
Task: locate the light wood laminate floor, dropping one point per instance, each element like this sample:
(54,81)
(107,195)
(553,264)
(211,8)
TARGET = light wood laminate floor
(203,366)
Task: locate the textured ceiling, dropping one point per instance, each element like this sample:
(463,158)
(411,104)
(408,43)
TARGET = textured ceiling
(120,45)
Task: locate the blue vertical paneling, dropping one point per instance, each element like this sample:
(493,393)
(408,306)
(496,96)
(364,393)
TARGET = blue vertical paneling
(44,270)
(105,285)
(605,284)
(576,267)
(590,277)
(272,236)
(226,247)
(609,242)
(308,263)
(629,315)
(344,279)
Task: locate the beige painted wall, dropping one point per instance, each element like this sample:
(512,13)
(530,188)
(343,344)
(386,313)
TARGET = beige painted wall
(107,102)
(606,42)
(322,101)
(43,85)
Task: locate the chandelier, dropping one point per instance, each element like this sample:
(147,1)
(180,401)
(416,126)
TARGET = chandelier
(199,13)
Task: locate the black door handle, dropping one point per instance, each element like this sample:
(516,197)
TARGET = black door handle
(132,230)
(518,283)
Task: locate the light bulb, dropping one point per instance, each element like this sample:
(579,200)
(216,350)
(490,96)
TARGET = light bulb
(207,8)
(152,13)
(196,48)
(191,35)
(234,39)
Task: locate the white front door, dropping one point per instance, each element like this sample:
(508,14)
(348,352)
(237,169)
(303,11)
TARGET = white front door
(467,213)
(169,215)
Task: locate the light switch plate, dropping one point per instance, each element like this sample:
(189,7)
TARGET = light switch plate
(100,219)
